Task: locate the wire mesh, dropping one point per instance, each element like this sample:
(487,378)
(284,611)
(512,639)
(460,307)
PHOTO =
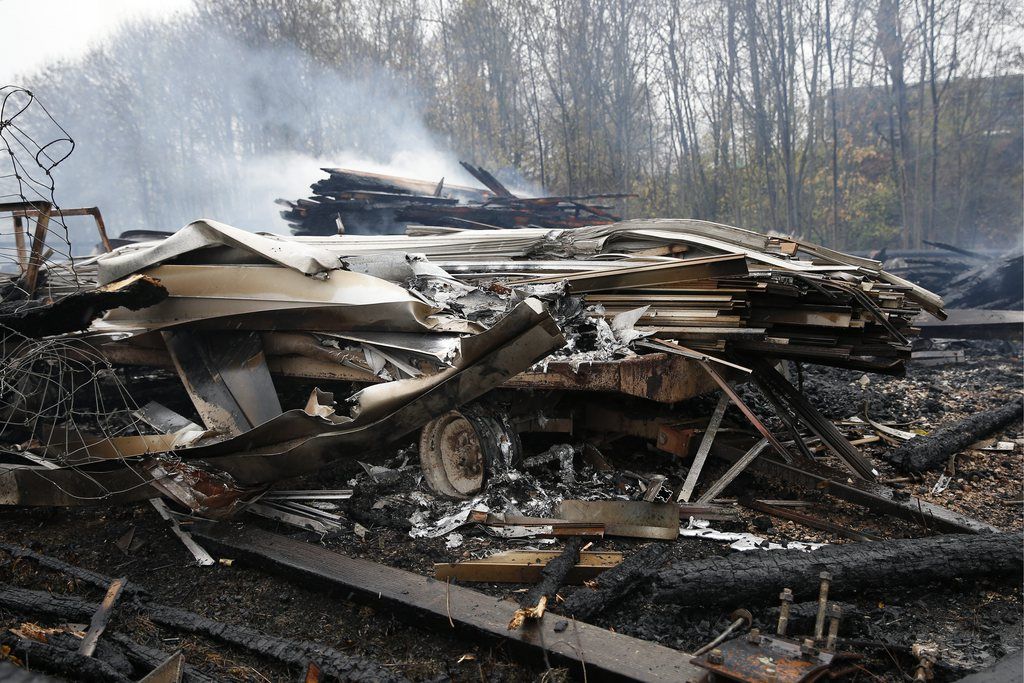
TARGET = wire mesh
(60,398)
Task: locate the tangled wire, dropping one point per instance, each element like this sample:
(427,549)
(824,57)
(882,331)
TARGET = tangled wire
(59,397)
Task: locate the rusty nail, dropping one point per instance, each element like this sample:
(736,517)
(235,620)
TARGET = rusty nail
(754,637)
(715,656)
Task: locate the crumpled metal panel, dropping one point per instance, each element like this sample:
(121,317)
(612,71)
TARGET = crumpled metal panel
(297,441)
(204,234)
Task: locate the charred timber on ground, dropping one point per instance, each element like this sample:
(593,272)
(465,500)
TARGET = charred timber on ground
(552,577)
(933,451)
(617,582)
(60,661)
(757,577)
(337,664)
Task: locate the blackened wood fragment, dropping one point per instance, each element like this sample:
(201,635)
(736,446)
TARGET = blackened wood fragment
(617,582)
(73,312)
(932,451)
(552,577)
(61,662)
(298,652)
(749,578)
(150,658)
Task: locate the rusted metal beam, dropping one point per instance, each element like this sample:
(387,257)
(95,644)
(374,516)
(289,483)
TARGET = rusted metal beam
(737,467)
(808,520)
(747,412)
(94,211)
(35,258)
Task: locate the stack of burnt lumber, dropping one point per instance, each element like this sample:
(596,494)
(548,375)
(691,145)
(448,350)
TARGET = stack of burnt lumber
(966,279)
(366,203)
(710,287)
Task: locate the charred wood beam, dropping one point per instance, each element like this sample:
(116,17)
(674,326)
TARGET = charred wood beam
(150,658)
(82,574)
(76,311)
(552,577)
(757,577)
(934,450)
(61,662)
(296,652)
(616,583)
(487,180)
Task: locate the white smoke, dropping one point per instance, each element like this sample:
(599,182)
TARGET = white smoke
(176,122)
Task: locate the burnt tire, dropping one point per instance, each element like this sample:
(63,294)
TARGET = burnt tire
(462,449)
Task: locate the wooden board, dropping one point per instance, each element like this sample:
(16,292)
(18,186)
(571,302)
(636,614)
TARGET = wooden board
(601,651)
(523,566)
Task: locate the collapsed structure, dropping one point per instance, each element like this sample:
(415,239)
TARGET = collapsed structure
(207,367)
(429,322)
(369,203)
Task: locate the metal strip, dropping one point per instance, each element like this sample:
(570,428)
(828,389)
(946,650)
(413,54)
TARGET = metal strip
(745,409)
(733,472)
(705,447)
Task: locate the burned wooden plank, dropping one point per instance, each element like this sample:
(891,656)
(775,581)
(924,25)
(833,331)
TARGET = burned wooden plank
(757,577)
(972,323)
(611,654)
(524,566)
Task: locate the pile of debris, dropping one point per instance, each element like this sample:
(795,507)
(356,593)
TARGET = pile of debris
(266,357)
(357,202)
(419,316)
(965,279)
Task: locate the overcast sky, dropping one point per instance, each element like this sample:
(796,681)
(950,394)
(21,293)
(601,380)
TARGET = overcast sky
(39,31)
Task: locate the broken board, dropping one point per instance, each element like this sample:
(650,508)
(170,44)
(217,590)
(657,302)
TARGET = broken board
(523,566)
(468,611)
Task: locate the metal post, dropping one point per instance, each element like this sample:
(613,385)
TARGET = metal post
(819,623)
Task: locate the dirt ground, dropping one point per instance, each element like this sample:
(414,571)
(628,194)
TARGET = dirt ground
(973,624)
